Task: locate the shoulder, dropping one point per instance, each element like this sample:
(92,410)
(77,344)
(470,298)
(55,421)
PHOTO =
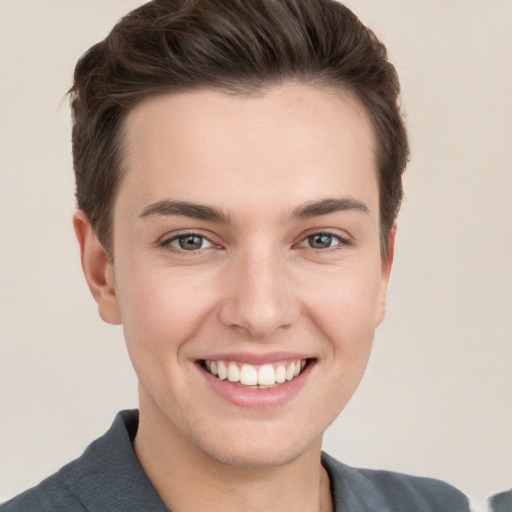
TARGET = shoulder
(54,494)
(383,491)
(106,473)
(501,502)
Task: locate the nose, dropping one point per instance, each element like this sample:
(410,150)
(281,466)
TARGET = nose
(259,295)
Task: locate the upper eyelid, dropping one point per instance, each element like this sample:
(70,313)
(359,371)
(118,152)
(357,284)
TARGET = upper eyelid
(167,244)
(188,235)
(340,239)
(169,237)
(338,233)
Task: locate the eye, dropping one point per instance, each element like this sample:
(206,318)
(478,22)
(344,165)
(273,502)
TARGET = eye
(323,241)
(188,242)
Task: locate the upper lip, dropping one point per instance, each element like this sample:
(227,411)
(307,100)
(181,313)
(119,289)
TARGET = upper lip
(256,359)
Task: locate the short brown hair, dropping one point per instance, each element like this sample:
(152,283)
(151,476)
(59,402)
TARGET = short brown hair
(239,46)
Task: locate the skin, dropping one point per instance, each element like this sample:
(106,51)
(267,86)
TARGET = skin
(257,286)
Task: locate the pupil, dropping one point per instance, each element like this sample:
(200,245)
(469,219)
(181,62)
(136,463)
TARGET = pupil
(320,241)
(190,242)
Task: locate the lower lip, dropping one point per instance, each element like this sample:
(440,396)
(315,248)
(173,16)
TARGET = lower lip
(257,398)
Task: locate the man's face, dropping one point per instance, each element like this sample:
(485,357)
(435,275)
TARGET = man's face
(246,244)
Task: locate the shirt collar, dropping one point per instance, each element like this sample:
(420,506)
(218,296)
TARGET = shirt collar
(110,474)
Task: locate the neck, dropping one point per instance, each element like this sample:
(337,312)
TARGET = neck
(187,479)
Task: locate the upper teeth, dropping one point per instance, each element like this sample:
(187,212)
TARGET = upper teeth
(250,375)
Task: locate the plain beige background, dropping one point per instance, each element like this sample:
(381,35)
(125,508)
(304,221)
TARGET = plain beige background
(437,396)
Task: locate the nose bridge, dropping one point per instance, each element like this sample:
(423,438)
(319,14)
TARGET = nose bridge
(261,296)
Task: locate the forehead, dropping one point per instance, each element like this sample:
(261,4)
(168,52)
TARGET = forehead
(290,144)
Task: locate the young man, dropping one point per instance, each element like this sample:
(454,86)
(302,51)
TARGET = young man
(238,168)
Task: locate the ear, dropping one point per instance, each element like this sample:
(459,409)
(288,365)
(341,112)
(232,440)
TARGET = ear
(386,265)
(98,272)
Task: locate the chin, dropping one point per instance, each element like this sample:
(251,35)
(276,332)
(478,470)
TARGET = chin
(259,457)
(266,448)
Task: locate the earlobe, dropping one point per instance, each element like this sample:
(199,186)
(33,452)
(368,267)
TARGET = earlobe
(98,272)
(386,265)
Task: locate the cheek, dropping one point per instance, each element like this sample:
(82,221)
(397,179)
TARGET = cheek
(159,309)
(160,315)
(347,304)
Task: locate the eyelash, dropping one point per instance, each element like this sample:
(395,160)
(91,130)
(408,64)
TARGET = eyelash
(341,242)
(167,243)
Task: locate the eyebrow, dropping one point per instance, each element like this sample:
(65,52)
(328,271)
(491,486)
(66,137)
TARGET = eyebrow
(308,210)
(185,209)
(313,209)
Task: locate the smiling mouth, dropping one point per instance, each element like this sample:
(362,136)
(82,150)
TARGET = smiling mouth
(255,376)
